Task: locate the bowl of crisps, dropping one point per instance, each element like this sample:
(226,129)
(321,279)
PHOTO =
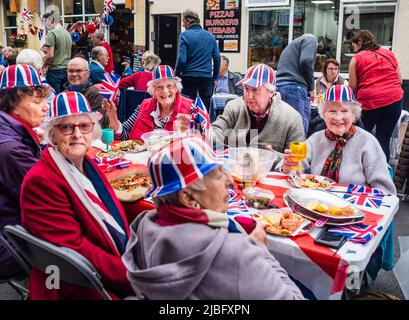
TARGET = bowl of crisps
(155,140)
(248,165)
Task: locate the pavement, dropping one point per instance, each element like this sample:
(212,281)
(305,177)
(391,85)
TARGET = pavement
(385,282)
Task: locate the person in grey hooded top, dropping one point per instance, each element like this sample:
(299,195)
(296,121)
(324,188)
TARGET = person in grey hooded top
(188,248)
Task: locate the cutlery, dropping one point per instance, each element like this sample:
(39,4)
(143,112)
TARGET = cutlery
(321,222)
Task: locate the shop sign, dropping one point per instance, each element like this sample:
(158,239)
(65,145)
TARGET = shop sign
(222,18)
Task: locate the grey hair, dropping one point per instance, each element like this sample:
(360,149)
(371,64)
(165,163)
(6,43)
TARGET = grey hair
(173,198)
(151,85)
(85,62)
(150,60)
(355,108)
(96,51)
(99,34)
(191,15)
(51,127)
(225,59)
(30,57)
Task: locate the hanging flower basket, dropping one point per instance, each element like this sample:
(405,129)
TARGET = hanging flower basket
(18,40)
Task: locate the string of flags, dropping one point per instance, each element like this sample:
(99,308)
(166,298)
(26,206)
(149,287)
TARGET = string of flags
(27,15)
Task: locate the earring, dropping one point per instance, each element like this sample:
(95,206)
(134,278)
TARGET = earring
(197,205)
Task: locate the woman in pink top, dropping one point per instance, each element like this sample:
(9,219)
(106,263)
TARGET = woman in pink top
(375,77)
(139,80)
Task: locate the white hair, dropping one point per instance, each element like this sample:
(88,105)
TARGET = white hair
(30,57)
(51,127)
(177,80)
(355,108)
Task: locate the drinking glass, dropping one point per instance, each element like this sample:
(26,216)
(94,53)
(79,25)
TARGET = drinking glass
(299,151)
(107,136)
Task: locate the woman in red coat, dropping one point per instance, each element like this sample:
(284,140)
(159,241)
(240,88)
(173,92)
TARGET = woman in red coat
(158,112)
(67,201)
(375,77)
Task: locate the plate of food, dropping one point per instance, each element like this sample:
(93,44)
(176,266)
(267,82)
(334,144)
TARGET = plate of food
(283,222)
(132,187)
(321,203)
(132,146)
(311,181)
(112,154)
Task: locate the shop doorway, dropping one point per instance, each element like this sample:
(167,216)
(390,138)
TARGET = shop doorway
(121,35)
(167,28)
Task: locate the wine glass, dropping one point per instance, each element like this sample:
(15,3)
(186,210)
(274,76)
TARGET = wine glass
(107,136)
(299,151)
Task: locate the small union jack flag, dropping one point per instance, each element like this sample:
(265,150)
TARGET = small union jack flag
(109,5)
(371,200)
(355,188)
(27,15)
(237,206)
(359,233)
(109,85)
(200,112)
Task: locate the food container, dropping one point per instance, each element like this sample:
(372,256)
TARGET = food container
(248,165)
(258,198)
(156,139)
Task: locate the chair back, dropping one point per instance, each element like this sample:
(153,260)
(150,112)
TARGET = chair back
(73,267)
(129,101)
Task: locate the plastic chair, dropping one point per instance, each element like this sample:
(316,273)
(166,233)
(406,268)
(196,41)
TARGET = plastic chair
(129,101)
(13,281)
(73,267)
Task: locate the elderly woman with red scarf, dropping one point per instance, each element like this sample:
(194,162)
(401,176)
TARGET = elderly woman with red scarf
(158,112)
(343,151)
(67,201)
(189,248)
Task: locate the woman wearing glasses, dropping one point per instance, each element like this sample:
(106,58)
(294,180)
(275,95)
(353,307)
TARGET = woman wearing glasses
(68,202)
(330,77)
(343,152)
(23,107)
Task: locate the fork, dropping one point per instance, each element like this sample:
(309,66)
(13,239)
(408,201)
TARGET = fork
(321,222)
(294,178)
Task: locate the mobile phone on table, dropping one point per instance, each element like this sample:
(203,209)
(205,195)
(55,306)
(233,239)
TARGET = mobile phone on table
(330,239)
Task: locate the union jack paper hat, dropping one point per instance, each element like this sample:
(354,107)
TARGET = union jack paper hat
(258,75)
(18,76)
(69,103)
(181,163)
(163,72)
(340,93)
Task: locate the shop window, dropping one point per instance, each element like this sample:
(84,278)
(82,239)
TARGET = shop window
(10,19)
(321,20)
(379,19)
(268,36)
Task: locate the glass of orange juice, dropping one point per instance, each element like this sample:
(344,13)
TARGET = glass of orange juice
(299,151)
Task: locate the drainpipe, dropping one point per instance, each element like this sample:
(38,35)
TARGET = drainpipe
(147,24)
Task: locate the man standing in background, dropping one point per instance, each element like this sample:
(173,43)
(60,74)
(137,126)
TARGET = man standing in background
(58,42)
(197,48)
(97,39)
(295,75)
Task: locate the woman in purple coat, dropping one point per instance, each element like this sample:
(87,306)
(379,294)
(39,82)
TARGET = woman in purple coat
(23,107)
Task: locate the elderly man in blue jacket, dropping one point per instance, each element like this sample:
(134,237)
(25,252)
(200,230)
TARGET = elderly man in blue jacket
(197,48)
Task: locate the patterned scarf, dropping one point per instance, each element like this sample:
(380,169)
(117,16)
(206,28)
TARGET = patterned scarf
(170,215)
(333,162)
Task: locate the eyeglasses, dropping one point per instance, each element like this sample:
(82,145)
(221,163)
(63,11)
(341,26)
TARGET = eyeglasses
(333,113)
(76,71)
(68,128)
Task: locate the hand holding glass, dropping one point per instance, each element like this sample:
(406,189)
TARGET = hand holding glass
(299,151)
(107,136)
